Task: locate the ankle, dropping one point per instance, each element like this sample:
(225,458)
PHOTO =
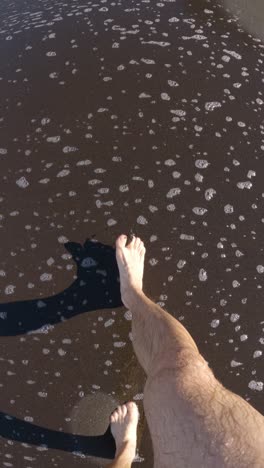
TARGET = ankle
(131,296)
(127,451)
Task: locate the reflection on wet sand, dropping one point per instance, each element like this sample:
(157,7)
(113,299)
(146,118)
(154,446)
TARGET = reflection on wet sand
(249,13)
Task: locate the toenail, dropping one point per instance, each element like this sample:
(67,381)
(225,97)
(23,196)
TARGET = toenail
(131,404)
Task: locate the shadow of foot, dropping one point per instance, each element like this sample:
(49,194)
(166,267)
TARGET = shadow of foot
(97,287)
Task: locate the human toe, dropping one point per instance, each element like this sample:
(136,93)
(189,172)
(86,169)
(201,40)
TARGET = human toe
(121,241)
(138,243)
(124,411)
(114,416)
(132,242)
(142,249)
(132,408)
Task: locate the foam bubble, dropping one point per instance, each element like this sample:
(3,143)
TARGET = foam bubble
(210,106)
(63,173)
(254,385)
(202,274)
(215,323)
(165,97)
(199,211)
(243,185)
(22,182)
(142,220)
(201,163)
(229,209)
(173,192)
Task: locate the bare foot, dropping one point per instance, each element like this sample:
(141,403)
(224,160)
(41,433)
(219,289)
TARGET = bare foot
(124,421)
(130,262)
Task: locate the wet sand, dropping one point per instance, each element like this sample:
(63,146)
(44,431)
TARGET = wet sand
(120,117)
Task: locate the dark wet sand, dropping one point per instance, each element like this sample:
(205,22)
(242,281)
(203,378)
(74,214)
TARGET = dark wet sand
(121,117)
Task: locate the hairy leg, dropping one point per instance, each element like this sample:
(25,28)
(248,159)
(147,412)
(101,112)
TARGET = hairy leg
(158,338)
(192,417)
(155,332)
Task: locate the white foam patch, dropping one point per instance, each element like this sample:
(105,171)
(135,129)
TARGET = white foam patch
(210,106)
(63,173)
(199,211)
(165,97)
(203,274)
(46,277)
(119,344)
(173,192)
(22,182)
(255,385)
(142,220)
(10,289)
(201,163)
(158,43)
(228,209)
(53,139)
(233,54)
(69,149)
(209,194)
(109,322)
(243,185)
(197,37)
(215,323)
(186,237)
